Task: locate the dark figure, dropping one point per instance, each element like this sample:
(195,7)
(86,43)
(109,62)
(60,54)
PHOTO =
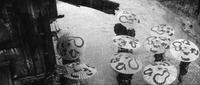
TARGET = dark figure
(124,79)
(67,81)
(183,70)
(131,32)
(119,29)
(158,57)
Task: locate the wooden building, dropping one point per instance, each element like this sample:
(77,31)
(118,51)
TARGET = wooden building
(26,48)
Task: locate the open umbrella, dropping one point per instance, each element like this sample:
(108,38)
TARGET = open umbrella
(160,73)
(127,42)
(127,19)
(125,63)
(162,30)
(157,44)
(184,50)
(70,47)
(79,71)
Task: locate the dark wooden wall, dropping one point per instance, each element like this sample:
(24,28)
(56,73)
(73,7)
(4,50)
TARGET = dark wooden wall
(31,35)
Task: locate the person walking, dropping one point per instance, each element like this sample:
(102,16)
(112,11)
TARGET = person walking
(124,79)
(119,29)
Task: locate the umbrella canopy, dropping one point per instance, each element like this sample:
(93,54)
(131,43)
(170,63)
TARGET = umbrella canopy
(157,44)
(160,73)
(127,42)
(70,47)
(127,18)
(184,50)
(125,63)
(162,31)
(79,71)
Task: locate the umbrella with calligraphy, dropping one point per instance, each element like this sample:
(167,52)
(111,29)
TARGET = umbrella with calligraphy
(160,73)
(127,42)
(162,30)
(79,71)
(126,63)
(184,50)
(127,19)
(70,47)
(157,44)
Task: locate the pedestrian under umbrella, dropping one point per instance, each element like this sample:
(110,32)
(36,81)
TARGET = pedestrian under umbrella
(74,73)
(160,73)
(162,30)
(186,52)
(63,79)
(119,29)
(126,42)
(70,47)
(157,45)
(126,64)
(79,71)
(127,18)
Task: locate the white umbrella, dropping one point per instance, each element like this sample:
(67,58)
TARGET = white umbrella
(157,44)
(126,63)
(127,42)
(184,50)
(70,47)
(162,30)
(160,73)
(79,71)
(127,19)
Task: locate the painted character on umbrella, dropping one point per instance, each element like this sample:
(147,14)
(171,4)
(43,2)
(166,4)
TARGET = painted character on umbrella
(119,29)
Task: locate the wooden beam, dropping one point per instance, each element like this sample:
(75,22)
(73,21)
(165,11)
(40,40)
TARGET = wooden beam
(105,6)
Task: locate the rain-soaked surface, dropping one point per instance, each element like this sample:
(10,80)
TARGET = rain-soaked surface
(96,28)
